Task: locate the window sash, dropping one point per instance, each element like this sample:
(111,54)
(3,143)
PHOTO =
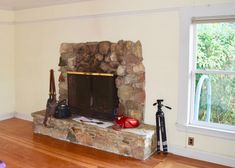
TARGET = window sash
(194,71)
(211,125)
(218,72)
(214,19)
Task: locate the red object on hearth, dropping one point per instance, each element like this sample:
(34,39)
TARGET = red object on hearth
(126,122)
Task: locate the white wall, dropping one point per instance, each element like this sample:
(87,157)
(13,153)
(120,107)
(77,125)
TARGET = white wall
(7,78)
(40,31)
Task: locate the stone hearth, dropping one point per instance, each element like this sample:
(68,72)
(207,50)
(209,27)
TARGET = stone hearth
(138,143)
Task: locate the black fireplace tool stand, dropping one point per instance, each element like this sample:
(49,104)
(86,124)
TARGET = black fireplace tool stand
(160,126)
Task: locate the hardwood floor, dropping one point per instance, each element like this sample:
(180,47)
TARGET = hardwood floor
(20,148)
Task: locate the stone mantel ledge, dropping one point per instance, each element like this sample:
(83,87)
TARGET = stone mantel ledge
(139,143)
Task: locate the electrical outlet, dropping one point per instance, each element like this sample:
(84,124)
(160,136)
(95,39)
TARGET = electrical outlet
(190,141)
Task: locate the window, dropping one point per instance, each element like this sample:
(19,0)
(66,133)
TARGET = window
(213,73)
(207,77)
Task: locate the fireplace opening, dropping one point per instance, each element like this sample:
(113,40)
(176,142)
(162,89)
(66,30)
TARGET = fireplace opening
(92,95)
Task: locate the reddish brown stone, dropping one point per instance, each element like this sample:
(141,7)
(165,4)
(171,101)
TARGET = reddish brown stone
(88,140)
(105,67)
(123,148)
(95,66)
(121,70)
(113,57)
(99,57)
(137,50)
(131,79)
(113,47)
(68,55)
(63,85)
(107,59)
(128,45)
(121,109)
(66,48)
(76,46)
(120,48)
(136,114)
(86,57)
(71,62)
(83,49)
(130,59)
(114,65)
(140,85)
(130,104)
(141,77)
(139,96)
(129,69)
(83,66)
(119,81)
(63,69)
(93,48)
(138,68)
(62,62)
(79,58)
(61,78)
(104,47)
(125,92)
(138,150)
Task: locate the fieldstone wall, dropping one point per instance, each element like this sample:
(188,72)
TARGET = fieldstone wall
(139,143)
(123,59)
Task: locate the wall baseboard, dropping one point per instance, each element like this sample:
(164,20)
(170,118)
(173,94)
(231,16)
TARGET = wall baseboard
(202,155)
(7,116)
(23,116)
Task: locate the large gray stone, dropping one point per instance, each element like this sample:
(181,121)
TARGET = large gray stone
(125,92)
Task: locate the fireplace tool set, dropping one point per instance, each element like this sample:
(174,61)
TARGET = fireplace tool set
(160,126)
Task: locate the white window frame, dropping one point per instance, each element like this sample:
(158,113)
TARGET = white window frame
(186,63)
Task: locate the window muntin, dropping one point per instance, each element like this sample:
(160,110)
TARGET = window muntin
(214,67)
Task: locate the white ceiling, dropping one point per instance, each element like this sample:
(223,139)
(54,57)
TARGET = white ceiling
(25,4)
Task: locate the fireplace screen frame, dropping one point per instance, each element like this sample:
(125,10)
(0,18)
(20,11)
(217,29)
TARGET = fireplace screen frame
(97,96)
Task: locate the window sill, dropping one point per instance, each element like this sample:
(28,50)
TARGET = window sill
(215,132)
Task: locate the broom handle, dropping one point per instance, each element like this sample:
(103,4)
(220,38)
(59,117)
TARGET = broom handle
(52,90)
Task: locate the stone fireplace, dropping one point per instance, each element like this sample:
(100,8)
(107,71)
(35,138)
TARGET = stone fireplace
(122,59)
(86,66)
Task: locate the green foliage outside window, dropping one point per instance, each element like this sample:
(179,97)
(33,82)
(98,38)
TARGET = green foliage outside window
(216,51)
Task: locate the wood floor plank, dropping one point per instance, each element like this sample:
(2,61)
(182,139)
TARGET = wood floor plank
(20,148)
